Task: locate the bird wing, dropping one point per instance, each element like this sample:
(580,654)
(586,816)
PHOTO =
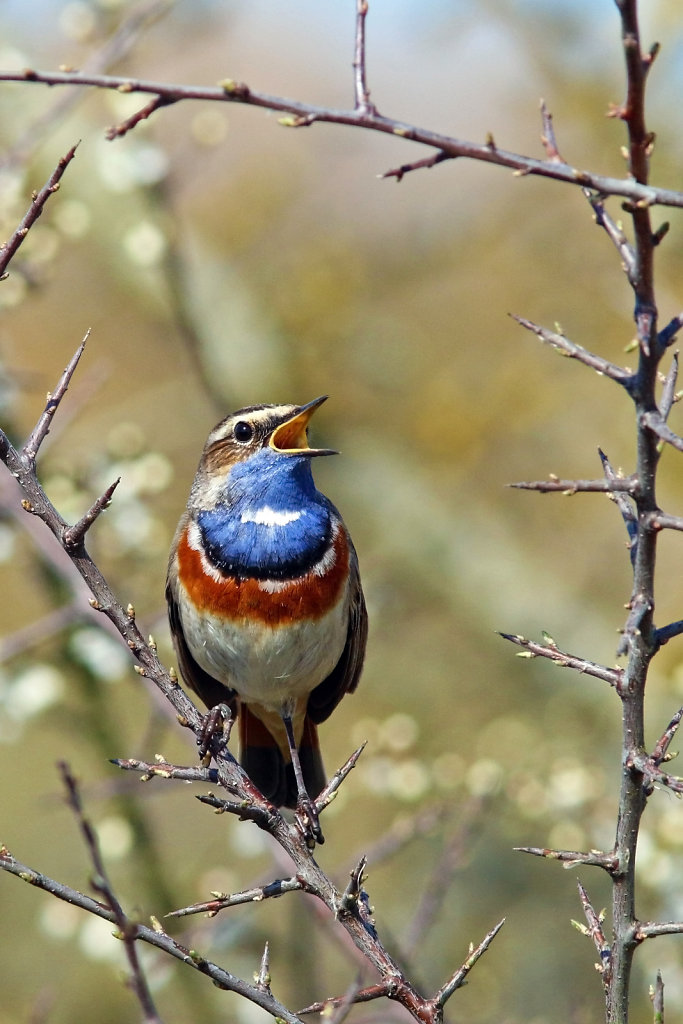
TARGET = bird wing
(345,675)
(210,690)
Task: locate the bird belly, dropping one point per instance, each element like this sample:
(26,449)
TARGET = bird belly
(266,664)
(270,641)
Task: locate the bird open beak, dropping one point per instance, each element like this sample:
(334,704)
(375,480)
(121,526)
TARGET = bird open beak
(289,438)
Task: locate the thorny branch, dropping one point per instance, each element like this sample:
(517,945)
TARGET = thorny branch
(351,907)
(640,638)
(38,201)
(299,114)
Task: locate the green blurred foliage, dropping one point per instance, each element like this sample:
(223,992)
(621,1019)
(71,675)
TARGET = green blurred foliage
(222,260)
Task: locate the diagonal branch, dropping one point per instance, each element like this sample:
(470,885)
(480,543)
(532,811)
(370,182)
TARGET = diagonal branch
(9,248)
(459,979)
(550,650)
(573,351)
(42,427)
(653,421)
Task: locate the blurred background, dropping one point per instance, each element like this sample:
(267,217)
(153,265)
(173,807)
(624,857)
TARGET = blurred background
(221,260)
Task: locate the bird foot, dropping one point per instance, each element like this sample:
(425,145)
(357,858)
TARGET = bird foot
(308,822)
(219,721)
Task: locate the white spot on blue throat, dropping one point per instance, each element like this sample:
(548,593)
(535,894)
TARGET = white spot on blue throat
(267,516)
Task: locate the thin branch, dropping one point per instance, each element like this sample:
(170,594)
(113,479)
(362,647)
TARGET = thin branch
(127,929)
(555,485)
(615,233)
(328,794)
(361,995)
(42,427)
(573,351)
(651,773)
(458,979)
(653,420)
(573,858)
(155,936)
(222,901)
(74,536)
(117,131)
(417,165)
(667,335)
(263,977)
(162,770)
(597,934)
(651,929)
(640,608)
(550,650)
(661,749)
(624,505)
(668,632)
(9,248)
(307,113)
(657,996)
(548,137)
(363,105)
(668,397)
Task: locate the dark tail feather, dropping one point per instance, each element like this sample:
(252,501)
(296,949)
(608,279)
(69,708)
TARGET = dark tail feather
(263,762)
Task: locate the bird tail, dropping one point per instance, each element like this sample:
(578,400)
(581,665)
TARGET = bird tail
(263,760)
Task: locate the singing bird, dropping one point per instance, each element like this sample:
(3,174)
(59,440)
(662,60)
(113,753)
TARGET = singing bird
(265,603)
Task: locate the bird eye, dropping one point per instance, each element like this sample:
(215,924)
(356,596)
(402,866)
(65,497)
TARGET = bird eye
(243,432)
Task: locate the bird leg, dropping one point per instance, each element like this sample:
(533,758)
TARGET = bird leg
(306,812)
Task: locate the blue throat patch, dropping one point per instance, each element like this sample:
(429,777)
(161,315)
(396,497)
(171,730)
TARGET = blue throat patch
(272,522)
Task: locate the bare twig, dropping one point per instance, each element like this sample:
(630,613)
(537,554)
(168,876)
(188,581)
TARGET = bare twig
(657,996)
(550,650)
(222,901)
(42,427)
(573,351)
(127,929)
(624,505)
(548,137)
(361,91)
(573,858)
(667,335)
(555,485)
(653,420)
(9,248)
(73,537)
(615,233)
(661,749)
(458,979)
(127,125)
(668,397)
(597,934)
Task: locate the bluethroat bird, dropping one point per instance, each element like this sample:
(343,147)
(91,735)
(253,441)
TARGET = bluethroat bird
(265,604)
